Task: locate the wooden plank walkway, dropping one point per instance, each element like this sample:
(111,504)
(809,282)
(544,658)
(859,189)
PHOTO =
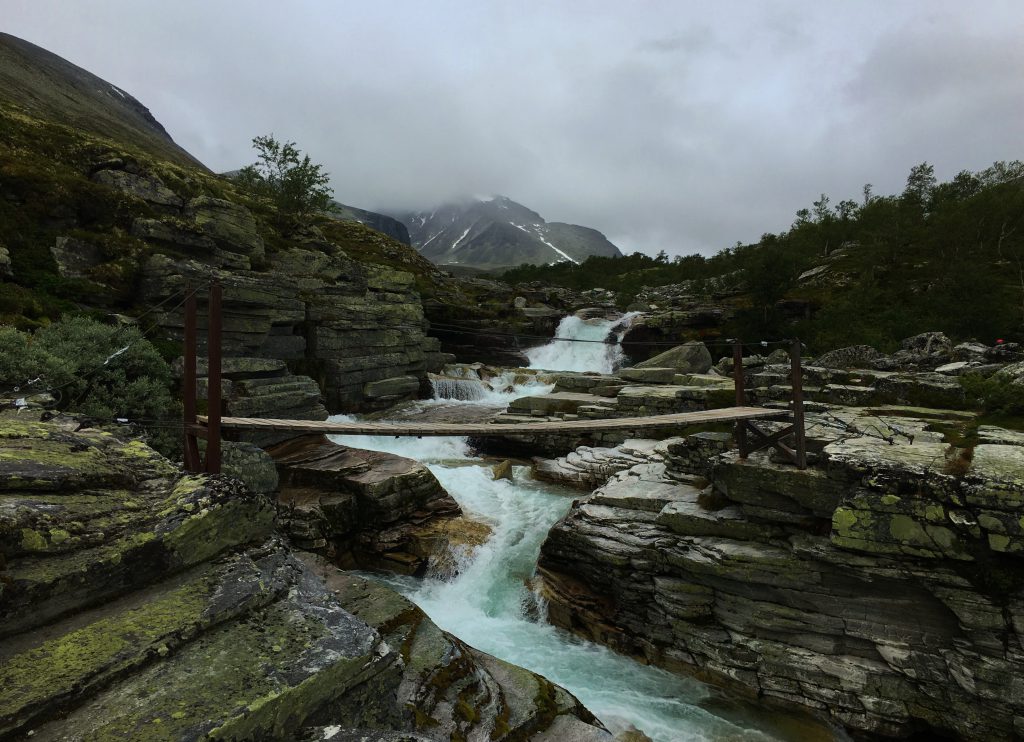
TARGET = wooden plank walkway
(425,429)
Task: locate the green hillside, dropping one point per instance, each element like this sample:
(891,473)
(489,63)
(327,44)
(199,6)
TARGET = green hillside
(938,256)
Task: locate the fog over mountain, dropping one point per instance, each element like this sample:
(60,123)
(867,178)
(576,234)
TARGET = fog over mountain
(663,125)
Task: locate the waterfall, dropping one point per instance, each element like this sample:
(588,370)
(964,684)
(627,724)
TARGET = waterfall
(487,386)
(463,390)
(597,347)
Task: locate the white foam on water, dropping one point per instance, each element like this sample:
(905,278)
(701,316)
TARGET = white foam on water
(490,606)
(583,345)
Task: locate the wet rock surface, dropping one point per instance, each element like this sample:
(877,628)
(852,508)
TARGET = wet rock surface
(365,508)
(880,588)
(137,602)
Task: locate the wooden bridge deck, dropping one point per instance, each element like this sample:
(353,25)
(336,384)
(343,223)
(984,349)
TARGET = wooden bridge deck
(424,429)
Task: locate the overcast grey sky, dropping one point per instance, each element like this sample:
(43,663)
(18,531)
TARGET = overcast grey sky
(682,126)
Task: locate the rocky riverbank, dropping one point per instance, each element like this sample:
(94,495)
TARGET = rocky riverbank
(139,602)
(881,587)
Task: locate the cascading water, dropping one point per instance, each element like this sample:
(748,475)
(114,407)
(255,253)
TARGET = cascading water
(584,345)
(490,606)
(462,384)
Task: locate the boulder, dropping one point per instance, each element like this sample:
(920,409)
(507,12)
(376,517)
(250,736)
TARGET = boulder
(854,356)
(74,257)
(927,343)
(145,186)
(502,470)
(954,369)
(1014,373)
(230,225)
(691,358)
(970,352)
(6,270)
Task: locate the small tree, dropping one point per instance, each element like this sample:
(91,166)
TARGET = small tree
(291,180)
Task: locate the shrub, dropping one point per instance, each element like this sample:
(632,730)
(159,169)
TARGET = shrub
(997,395)
(94,369)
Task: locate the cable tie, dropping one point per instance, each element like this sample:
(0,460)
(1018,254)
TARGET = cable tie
(116,353)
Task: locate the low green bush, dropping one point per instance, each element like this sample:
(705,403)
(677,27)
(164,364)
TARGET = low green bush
(996,395)
(94,369)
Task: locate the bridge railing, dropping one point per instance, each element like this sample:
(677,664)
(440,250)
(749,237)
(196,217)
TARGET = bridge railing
(759,438)
(749,434)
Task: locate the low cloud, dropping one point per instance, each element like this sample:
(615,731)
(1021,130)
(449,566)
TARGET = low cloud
(666,126)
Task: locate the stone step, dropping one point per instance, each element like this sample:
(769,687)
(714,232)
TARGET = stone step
(247,648)
(268,403)
(276,385)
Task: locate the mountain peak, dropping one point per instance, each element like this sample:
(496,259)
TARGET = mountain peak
(55,89)
(496,232)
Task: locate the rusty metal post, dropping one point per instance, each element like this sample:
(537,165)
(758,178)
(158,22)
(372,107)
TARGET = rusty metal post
(799,431)
(213,353)
(191,453)
(741,398)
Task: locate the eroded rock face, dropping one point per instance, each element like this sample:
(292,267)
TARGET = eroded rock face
(137,602)
(457,691)
(366,508)
(880,588)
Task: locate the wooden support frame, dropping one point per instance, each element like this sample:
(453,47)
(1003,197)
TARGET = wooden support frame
(797,453)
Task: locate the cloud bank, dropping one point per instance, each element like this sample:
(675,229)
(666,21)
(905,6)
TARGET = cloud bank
(671,126)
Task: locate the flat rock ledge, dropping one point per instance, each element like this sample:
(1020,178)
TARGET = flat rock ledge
(366,509)
(881,589)
(140,603)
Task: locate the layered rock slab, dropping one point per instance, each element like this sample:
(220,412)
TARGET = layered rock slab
(459,692)
(765,582)
(366,508)
(213,629)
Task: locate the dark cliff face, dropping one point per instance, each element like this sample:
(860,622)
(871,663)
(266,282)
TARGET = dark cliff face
(498,232)
(50,87)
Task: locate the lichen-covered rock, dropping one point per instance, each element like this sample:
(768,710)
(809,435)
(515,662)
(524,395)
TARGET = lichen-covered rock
(229,225)
(880,588)
(688,358)
(251,465)
(75,258)
(140,603)
(855,356)
(145,186)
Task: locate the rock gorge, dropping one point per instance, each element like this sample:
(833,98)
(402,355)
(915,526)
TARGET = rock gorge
(880,590)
